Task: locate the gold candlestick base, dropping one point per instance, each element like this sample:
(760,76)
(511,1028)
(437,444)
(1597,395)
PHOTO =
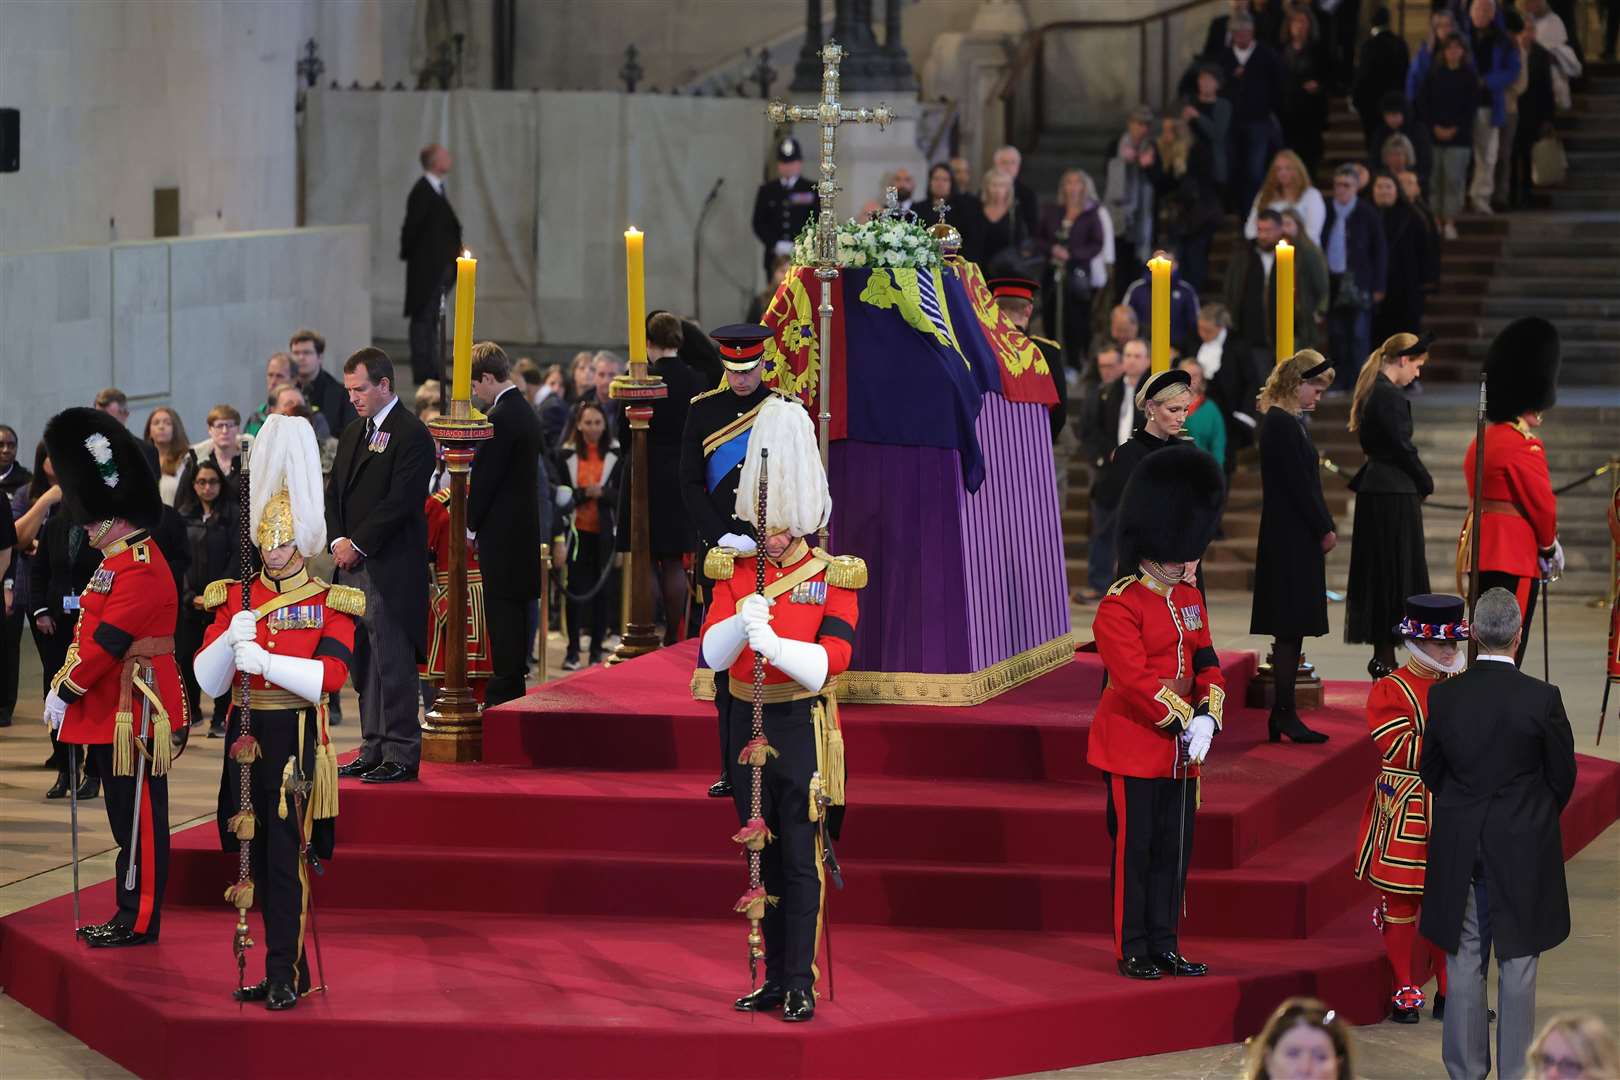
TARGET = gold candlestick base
(453,730)
(1263,687)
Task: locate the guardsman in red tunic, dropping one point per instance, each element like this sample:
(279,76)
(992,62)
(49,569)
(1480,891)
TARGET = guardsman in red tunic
(1162,703)
(296,644)
(479,665)
(1393,843)
(118,693)
(1518,528)
(804,627)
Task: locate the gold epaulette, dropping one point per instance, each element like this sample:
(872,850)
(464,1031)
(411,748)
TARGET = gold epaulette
(218,592)
(1044,341)
(1121,585)
(345,598)
(844,571)
(720,563)
(709,393)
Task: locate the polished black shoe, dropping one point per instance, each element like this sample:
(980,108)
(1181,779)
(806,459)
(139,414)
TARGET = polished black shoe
(1175,964)
(357,767)
(1439,1011)
(59,789)
(1139,967)
(389,772)
(280,996)
(252,993)
(799,1006)
(99,929)
(769,996)
(216,731)
(90,788)
(1283,722)
(721,788)
(1377,668)
(121,937)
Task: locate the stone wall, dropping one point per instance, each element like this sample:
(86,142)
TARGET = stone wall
(186,323)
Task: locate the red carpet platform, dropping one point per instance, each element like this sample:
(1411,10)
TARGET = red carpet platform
(559,910)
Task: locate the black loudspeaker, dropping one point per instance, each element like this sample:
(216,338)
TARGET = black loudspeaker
(9,119)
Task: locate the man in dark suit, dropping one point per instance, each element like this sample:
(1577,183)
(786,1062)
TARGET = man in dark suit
(1357,256)
(1499,758)
(783,205)
(322,393)
(503,511)
(1254,85)
(374,512)
(429,242)
(1116,417)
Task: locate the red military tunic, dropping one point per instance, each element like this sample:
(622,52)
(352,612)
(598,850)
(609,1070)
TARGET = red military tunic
(808,608)
(1519,513)
(129,602)
(1155,641)
(479,665)
(1393,841)
(300,616)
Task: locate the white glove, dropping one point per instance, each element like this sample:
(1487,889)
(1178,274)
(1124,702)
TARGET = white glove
(1200,733)
(755,611)
(251,657)
(742,545)
(763,640)
(1553,565)
(723,642)
(55,711)
(244,627)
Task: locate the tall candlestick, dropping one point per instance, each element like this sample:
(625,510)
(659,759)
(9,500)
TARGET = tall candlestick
(466,286)
(1285,300)
(636,286)
(1159,337)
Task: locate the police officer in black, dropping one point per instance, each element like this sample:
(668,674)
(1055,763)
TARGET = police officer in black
(783,205)
(713,446)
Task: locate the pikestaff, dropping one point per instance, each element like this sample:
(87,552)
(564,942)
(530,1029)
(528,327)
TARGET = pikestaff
(754,835)
(244,749)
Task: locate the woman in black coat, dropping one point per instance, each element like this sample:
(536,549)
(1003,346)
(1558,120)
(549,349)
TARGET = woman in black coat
(215,542)
(1296,533)
(1387,559)
(1401,309)
(587,493)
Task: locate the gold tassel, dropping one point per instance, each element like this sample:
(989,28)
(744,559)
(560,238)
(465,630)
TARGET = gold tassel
(325,797)
(162,747)
(833,779)
(124,744)
(756,752)
(242,825)
(240,895)
(281,789)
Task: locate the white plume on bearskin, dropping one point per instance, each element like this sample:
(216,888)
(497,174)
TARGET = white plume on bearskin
(798,498)
(285,455)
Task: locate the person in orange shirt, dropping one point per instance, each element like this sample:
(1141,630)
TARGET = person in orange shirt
(802,625)
(587,486)
(1518,527)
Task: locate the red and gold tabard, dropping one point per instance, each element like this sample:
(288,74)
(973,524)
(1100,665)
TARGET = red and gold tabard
(126,614)
(479,666)
(1154,639)
(300,616)
(815,601)
(1393,842)
(1518,511)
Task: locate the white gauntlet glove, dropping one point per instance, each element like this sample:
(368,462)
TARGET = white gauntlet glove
(251,657)
(1200,733)
(244,627)
(763,640)
(55,711)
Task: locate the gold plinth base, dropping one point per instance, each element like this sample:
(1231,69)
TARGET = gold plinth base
(637,640)
(1263,687)
(453,730)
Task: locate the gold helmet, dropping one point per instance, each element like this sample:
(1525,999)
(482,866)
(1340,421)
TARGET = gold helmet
(284,487)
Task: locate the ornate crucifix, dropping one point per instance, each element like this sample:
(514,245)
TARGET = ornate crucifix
(828,113)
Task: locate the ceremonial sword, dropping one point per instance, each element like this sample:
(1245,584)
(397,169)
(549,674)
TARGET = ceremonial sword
(297,785)
(829,860)
(140,776)
(73,826)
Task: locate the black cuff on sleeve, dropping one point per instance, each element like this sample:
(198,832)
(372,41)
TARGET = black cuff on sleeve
(332,647)
(113,641)
(1205,659)
(834,627)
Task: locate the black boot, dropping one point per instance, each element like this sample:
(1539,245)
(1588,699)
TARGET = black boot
(721,788)
(769,996)
(59,789)
(280,996)
(799,1006)
(91,788)
(1285,721)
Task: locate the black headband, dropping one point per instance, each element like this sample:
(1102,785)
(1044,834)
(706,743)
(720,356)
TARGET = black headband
(1418,347)
(1313,372)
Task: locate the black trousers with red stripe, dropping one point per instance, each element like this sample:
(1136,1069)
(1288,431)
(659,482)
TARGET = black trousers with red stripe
(1147,824)
(140,908)
(1524,590)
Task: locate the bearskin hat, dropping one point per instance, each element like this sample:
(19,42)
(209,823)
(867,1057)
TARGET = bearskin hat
(1521,369)
(1171,507)
(102,469)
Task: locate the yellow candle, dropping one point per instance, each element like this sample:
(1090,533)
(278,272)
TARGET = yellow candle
(1159,337)
(466,286)
(635,283)
(1285,300)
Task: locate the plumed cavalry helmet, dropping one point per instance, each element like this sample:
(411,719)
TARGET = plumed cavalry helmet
(102,469)
(284,487)
(1171,507)
(1521,369)
(797,498)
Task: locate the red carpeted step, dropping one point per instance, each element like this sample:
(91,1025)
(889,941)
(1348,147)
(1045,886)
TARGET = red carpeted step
(442,993)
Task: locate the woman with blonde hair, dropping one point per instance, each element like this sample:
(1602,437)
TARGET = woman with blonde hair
(999,227)
(1574,1046)
(1071,234)
(1287,186)
(1387,559)
(1303,1040)
(1296,533)
(165,431)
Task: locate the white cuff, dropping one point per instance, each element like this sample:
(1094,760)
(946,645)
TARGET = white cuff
(299,675)
(804,662)
(723,642)
(215,666)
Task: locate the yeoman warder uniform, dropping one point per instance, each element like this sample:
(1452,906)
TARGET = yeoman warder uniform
(296,644)
(1161,705)
(1518,524)
(804,627)
(1393,841)
(118,694)
(479,664)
